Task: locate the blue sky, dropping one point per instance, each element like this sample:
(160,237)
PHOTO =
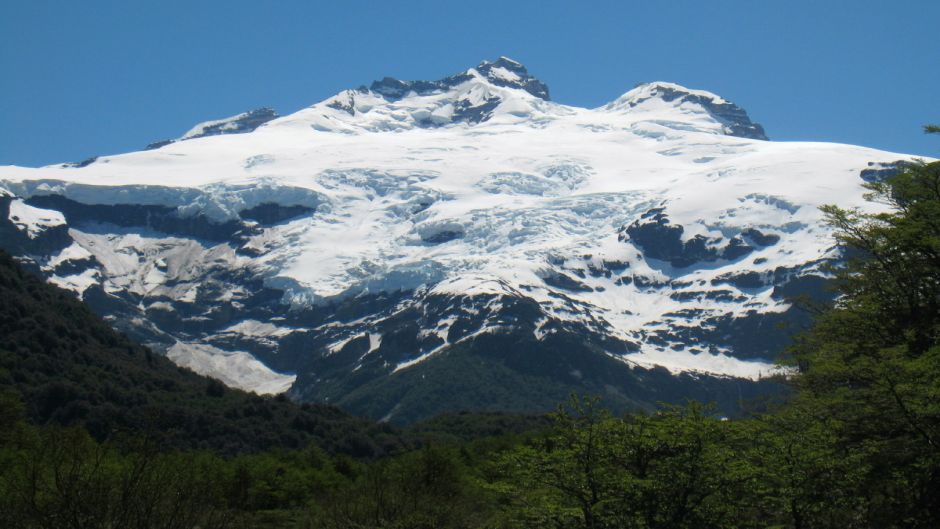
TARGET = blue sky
(102,77)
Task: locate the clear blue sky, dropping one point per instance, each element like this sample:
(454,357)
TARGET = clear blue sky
(89,77)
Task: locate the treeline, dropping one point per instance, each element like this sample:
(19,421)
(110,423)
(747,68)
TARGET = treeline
(855,447)
(59,477)
(71,368)
(681,468)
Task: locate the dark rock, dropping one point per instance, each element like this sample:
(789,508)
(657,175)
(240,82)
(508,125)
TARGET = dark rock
(881,171)
(465,111)
(158,144)
(809,286)
(659,239)
(394,89)
(624,280)
(745,280)
(349,107)
(246,122)
(240,124)
(70,267)
(158,218)
(759,238)
(685,295)
(723,295)
(735,120)
(18,242)
(600,272)
(525,81)
(84,163)
(565,282)
(735,249)
(616,267)
(662,240)
(648,282)
(654,234)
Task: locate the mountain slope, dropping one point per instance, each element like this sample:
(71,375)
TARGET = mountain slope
(70,367)
(368,250)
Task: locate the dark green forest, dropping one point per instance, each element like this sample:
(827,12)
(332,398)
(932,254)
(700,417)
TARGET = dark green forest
(97,432)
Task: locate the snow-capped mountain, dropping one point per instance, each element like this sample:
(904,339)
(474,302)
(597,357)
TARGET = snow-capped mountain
(419,246)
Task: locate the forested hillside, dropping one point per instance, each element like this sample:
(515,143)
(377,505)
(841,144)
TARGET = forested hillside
(70,368)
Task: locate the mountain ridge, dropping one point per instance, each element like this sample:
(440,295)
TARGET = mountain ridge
(475,103)
(365,238)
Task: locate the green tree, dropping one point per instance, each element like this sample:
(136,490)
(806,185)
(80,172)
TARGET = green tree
(679,468)
(870,368)
(427,489)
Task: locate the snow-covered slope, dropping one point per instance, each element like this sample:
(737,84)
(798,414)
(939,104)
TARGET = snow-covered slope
(389,227)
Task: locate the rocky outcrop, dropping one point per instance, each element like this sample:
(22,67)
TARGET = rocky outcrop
(242,123)
(733,118)
(467,108)
(660,239)
(501,72)
(20,239)
(881,171)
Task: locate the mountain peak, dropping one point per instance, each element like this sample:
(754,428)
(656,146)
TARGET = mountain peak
(364,243)
(503,72)
(734,119)
(664,91)
(512,74)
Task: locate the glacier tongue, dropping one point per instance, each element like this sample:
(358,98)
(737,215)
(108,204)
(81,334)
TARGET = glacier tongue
(380,229)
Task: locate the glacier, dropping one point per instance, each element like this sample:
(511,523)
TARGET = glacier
(663,228)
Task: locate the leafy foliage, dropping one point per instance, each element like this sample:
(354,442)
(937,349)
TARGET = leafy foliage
(678,468)
(871,366)
(71,368)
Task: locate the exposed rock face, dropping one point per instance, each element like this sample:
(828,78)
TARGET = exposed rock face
(84,163)
(39,235)
(158,144)
(734,118)
(240,124)
(470,106)
(503,72)
(881,171)
(161,219)
(662,240)
(509,73)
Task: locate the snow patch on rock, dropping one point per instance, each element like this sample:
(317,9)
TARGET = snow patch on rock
(236,369)
(34,221)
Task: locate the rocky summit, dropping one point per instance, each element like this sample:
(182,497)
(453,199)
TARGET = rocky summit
(414,247)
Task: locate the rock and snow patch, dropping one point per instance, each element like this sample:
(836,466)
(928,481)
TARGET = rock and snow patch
(504,74)
(258,329)
(236,369)
(707,363)
(34,221)
(77,283)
